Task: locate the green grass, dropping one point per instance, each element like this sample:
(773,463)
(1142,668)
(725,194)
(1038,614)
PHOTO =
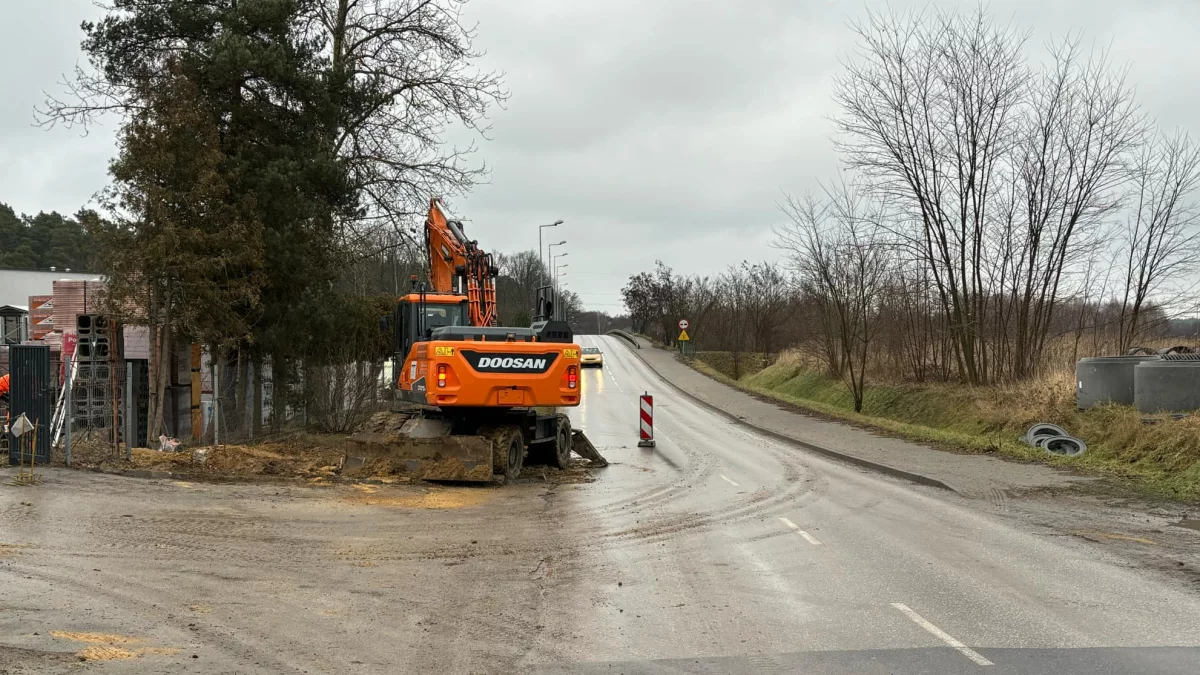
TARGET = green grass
(747,363)
(1162,458)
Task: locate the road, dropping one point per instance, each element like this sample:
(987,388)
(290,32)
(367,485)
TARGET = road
(718,551)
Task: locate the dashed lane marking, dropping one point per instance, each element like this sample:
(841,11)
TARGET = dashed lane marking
(807,537)
(942,635)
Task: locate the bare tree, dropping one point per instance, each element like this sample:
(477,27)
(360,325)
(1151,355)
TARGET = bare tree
(768,304)
(520,276)
(402,72)
(928,115)
(840,253)
(1080,124)
(1161,246)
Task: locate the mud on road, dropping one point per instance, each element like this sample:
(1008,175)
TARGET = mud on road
(125,575)
(195,577)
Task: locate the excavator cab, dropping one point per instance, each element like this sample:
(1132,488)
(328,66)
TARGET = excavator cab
(418,314)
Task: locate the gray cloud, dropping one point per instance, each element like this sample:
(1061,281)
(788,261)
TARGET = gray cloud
(666,129)
(44,170)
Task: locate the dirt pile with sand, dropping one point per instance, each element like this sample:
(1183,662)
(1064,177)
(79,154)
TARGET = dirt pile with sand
(316,459)
(301,456)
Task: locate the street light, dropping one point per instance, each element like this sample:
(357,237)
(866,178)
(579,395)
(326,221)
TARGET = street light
(554,266)
(541,256)
(550,253)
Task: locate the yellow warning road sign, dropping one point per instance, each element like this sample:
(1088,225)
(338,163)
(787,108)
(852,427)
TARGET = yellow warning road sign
(683,336)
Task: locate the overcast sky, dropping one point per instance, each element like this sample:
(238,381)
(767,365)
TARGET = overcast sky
(662,129)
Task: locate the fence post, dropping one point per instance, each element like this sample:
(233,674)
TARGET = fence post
(130,412)
(68,410)
(216,400)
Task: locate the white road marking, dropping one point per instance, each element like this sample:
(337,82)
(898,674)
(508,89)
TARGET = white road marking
(726,479)
(604,367)
(942,635)
(809,538)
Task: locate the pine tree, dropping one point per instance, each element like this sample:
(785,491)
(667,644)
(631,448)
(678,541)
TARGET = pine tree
(186,258)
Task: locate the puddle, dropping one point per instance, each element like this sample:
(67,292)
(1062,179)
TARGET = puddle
(1189,524)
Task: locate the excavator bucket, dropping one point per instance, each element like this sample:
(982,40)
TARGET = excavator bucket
(424,448)
(583,447)
(421,448)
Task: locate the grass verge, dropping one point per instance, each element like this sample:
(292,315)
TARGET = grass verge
(1153,454)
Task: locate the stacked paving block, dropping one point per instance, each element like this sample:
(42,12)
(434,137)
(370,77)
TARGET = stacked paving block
(92,395)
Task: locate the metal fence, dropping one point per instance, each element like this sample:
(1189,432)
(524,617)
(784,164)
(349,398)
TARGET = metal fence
(257,401)
(206,401)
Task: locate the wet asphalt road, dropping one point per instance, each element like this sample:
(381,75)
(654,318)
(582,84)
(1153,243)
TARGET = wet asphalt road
(718,551)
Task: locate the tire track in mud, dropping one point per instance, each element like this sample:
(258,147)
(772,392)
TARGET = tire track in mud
(209,537)
(702,465)
(506,608)
(799,485)
(672,526)
(253,540)
(150,598)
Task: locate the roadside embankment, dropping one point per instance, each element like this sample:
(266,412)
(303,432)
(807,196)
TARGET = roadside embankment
(1154,453)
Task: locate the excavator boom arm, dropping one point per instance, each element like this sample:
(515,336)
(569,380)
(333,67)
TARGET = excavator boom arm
(458,265)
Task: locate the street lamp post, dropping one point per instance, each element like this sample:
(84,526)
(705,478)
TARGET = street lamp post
(554,266)
(558,272)
(551,256)
(541,255)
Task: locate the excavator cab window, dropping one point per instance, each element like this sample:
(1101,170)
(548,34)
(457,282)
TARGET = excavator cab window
(444,315)
(413,327)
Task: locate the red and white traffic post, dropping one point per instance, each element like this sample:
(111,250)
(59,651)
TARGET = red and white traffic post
(646,415)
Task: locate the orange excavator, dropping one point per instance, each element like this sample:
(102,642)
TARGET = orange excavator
(487,395)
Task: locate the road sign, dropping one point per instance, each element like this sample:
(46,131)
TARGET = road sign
(683,336)
(683,324)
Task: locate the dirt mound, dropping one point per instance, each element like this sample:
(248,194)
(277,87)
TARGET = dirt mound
(302,456)
(388,421)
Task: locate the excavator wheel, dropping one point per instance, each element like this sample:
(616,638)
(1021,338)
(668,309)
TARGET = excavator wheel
(562,443)
(511,447)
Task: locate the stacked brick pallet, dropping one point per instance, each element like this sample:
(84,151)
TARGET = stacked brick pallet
(41,316)
(92,395)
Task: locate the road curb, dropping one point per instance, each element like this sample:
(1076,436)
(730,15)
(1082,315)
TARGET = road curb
(919,479)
